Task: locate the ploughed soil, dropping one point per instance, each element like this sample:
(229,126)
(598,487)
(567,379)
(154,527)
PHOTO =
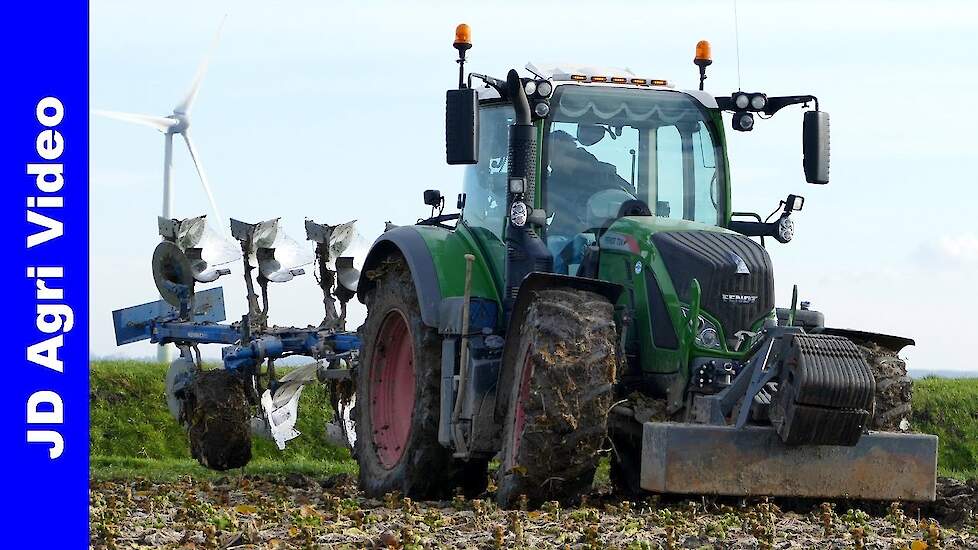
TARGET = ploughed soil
(296,511)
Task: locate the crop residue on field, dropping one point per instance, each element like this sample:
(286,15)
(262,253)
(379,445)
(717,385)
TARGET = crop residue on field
(299,512)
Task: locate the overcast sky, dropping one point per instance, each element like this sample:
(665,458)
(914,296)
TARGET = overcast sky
(336,111)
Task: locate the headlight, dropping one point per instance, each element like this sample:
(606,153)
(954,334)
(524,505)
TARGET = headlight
(743,121)
(741,100)
(707,336)
(786,230)
(518,214)
(758,101)
(530,87)
(541,109)
(545,88)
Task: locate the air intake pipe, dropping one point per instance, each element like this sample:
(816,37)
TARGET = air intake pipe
(525,250)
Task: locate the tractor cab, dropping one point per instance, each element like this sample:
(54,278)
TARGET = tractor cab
(610,146)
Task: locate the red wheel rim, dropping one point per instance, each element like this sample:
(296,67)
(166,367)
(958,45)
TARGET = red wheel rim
(392,389)
(519,418)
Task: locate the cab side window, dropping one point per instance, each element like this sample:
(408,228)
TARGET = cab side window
(485,183)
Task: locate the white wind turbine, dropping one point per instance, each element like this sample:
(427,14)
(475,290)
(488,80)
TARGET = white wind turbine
(178,122)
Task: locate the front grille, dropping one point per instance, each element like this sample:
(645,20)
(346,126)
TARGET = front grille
(663,333)
(712,259)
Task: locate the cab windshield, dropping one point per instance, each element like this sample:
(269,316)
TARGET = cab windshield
(605,146)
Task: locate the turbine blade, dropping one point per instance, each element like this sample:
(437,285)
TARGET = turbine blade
(159,122)
(203,180)
(188,101)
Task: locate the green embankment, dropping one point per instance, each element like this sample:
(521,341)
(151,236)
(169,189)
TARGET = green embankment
(948,408)
(132,432)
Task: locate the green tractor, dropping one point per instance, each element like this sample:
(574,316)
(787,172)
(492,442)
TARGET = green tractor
(597,296)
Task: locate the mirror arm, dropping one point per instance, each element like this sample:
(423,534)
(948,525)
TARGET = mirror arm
(495,83)
(775,104)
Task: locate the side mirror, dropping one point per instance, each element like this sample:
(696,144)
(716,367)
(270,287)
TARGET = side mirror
(815,146)
(462,126)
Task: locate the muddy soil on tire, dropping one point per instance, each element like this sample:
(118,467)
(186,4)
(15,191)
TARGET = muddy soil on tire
(566,366)
(894,388)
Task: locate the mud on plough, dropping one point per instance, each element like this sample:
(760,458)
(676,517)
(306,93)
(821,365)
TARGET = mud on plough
(215,406)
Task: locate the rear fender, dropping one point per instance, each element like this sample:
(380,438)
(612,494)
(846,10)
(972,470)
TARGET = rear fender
(408,243)
(534,282)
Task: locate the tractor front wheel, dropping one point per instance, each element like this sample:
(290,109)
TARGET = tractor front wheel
(557,415)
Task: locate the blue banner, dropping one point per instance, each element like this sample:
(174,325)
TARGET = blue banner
(44,167)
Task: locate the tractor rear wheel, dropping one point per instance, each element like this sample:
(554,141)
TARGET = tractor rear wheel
(894,388)
(557,414)
(397,401)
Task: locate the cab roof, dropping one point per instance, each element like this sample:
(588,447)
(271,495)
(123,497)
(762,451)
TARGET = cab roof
(589,75)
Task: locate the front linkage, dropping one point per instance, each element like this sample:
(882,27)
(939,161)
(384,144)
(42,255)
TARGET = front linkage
(792,421)
(822,389)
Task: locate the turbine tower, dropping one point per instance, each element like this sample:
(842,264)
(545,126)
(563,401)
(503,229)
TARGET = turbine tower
(178,123)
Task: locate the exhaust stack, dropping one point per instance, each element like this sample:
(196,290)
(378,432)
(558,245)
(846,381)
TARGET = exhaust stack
(525,250)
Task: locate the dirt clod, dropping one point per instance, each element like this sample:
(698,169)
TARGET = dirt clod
(894,388)
(957,501)
(218,420)
(338,480)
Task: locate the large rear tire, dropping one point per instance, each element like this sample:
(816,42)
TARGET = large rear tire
(557,416)
(397,402)
(894,387)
